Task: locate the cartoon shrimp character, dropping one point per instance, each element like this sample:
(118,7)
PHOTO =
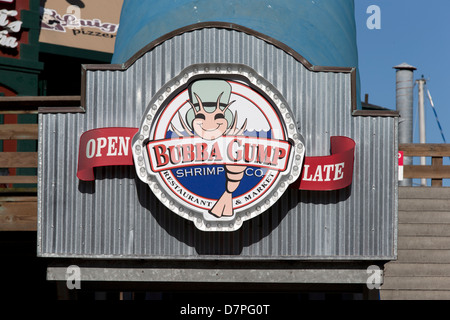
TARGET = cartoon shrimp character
(210,119)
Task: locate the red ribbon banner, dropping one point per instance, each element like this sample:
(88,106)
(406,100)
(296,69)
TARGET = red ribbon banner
(112,147)
(332,172)
(104,147)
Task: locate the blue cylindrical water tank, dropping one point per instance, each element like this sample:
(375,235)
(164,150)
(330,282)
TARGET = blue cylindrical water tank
(322,31)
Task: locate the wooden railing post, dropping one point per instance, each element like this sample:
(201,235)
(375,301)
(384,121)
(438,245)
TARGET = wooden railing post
(436,163)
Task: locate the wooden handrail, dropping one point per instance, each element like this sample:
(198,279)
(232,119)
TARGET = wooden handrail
(40,104)
(18,159)
(425,149)
(436,171)
(18,132)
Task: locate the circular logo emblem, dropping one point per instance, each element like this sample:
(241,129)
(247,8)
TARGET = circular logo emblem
(218,145)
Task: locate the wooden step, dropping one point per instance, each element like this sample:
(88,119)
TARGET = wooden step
(414,295)
(424,216)
(424,229)
(423,256)
(400,269)
(416,283)
(423,243)
(423,193)
(424,205)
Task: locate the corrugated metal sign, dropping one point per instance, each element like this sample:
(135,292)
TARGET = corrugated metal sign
(132,210)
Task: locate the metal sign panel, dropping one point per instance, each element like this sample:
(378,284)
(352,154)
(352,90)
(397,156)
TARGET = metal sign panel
(217,145)
(109,211)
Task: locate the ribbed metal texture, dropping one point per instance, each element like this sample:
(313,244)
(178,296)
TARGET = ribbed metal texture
(118,216)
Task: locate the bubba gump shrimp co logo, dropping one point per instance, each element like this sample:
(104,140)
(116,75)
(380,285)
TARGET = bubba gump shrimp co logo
(218,148)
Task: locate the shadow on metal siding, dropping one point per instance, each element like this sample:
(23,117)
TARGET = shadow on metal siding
(118,216)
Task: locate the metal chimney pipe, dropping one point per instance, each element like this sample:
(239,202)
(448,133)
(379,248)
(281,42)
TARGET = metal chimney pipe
(404,103)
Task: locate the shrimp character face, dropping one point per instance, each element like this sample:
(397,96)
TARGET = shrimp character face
(210,125)
(209,121)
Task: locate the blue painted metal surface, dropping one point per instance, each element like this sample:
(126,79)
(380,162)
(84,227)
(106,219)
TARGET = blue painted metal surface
(322,31)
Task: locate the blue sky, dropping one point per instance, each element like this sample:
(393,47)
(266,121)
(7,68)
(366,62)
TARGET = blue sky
(416,32)
(412,31)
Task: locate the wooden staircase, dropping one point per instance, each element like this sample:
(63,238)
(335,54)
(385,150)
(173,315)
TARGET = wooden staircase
(422,270)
